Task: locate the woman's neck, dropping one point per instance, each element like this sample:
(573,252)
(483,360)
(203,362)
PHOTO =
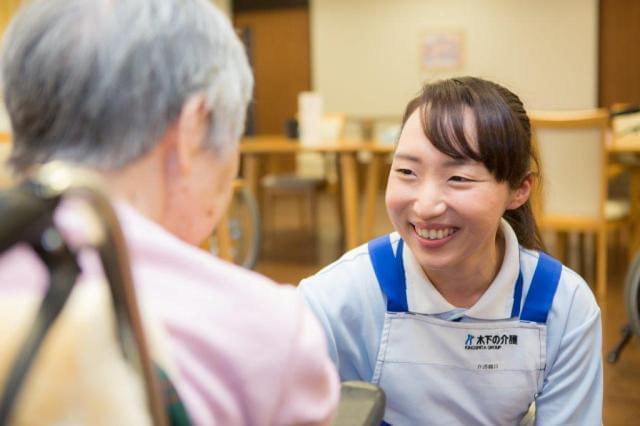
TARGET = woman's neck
(463,287)
(140,185)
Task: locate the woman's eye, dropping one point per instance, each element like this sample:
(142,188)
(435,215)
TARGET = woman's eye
(405,172)
(459,179)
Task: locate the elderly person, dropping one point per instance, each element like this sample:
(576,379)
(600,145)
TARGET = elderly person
(151,94)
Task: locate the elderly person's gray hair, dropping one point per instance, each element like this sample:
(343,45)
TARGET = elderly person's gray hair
(98,82)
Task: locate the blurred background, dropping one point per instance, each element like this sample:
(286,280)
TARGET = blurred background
(333,78)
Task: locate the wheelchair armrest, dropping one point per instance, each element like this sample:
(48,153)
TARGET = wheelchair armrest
(361,403)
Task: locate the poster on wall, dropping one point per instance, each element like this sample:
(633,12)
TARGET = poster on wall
(442,50)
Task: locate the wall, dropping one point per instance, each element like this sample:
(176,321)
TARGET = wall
(619,68)
(365,53)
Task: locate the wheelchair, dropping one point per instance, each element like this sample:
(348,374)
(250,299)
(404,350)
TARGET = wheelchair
(239,233)
(27,217)
(632,306)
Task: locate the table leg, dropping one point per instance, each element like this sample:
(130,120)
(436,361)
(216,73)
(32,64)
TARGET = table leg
(349,198)
(371,194)
(250,172)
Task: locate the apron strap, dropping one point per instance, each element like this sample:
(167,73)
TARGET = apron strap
(517,297)
(542,290)
(389,271)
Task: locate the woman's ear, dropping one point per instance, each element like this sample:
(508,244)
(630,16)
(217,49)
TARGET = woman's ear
(520,195)
(191,128)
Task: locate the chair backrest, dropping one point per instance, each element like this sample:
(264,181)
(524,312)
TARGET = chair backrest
(572,150)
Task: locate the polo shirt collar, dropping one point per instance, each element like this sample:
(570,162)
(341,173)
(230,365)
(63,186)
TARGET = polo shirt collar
(496,302)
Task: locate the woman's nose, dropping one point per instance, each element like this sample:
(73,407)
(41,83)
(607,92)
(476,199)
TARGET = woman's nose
(430,202)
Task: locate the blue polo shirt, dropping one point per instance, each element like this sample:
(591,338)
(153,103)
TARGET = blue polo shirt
(349,303)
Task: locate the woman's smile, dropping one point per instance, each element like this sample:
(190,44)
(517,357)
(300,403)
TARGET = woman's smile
(434,236)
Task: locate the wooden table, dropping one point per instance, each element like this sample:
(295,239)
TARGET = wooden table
(253,147)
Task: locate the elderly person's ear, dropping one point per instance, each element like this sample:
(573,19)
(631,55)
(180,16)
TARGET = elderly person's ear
(191,128)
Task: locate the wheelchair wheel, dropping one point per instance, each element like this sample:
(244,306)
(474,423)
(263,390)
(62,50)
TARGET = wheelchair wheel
(244,228)
(632,295)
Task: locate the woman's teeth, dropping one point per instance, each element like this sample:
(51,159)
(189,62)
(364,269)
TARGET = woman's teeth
(433,234)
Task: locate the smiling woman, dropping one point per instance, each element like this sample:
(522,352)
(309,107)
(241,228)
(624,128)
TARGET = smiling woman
(457,315)
(445,198)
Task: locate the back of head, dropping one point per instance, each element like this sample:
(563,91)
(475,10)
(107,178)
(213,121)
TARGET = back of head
(98,82)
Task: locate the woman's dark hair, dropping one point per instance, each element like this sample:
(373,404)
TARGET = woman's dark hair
(503,135)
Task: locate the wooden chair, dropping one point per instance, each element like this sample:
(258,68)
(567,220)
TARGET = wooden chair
(310,177)
(576,171)
(238,235)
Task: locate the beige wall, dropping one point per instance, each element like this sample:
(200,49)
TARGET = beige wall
(365,52)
